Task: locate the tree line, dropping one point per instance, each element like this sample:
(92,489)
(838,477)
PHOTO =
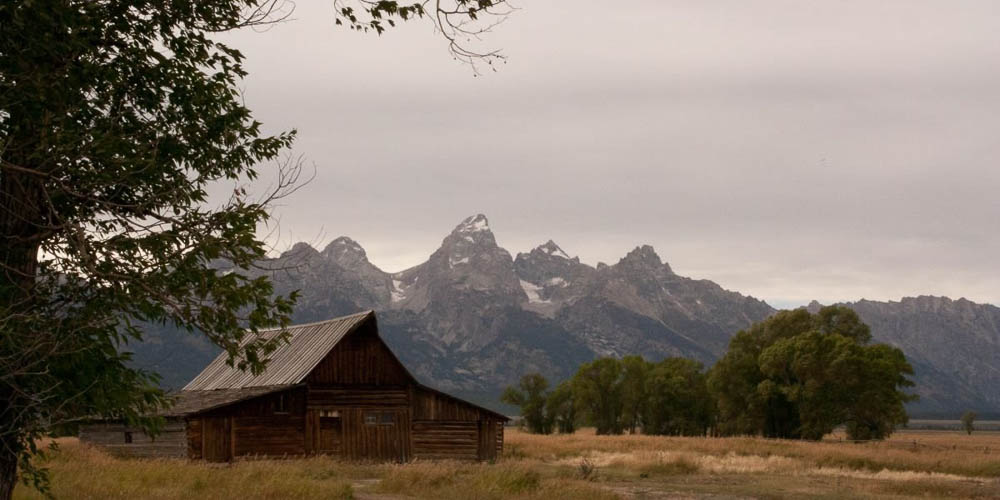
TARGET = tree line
(796,375)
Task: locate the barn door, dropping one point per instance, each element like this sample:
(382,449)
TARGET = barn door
(484,430)
(330,432)
(216,436)
(384,435)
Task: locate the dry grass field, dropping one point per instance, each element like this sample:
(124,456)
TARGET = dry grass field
(913,464)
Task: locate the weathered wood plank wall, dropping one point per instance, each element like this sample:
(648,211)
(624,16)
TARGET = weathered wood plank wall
(271,425)
(194,438)
(170,443)
(431,405)
(359,359)
(382,435)
(445,440)
(321,397)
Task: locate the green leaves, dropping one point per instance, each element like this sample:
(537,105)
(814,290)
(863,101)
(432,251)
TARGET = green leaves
(560,408)
(115,119)
(378,12)
(795,375)
(597,387)
(798,375)
(462,23)
(679,403)
(669,397)
(530,396)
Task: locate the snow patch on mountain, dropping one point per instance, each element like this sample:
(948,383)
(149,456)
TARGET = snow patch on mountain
(474,224)
(531,290)
(397,291)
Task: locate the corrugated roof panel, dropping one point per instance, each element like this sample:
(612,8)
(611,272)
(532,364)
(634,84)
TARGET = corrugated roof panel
(190,402)
(289,364)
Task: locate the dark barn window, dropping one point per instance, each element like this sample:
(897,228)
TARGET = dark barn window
(279,405)
(387,418)
(371,418)
(128,437)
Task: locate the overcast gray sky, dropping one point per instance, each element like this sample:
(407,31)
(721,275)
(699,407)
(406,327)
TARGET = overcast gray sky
(786,149)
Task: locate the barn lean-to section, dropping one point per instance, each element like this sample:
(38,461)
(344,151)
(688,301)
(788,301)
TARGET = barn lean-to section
(336,388)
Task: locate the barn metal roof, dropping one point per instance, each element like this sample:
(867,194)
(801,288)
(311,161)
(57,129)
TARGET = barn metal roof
(290,364)
(191,402)
(220,384)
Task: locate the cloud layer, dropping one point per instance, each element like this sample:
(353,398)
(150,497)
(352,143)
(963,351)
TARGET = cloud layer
(791,150)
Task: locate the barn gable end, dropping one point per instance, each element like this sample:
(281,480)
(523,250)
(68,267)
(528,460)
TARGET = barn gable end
(361,358)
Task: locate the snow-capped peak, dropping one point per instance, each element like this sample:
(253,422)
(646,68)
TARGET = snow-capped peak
(551,248)
(472,232)
(474,224)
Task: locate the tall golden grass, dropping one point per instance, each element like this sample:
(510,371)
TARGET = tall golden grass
(911,464)
(583,465)
(977,455)
(83,472)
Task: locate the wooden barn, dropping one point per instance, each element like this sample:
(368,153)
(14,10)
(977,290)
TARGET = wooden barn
(335,388)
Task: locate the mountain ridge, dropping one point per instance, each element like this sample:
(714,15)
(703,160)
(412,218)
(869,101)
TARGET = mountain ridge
(473,318)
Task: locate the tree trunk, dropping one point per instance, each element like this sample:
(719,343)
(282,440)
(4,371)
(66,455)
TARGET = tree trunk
(21,221)
(8,470)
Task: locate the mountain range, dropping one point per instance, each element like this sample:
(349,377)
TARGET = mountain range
(473,318)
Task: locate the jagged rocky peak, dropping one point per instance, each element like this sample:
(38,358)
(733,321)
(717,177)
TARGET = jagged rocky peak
(550,248)
(550,278)
(643,257)
(471,243)
(300,250)
(344,250)
(468,259)
(474,224)
(545,262)
(548,259)
(928,302)
(474,229)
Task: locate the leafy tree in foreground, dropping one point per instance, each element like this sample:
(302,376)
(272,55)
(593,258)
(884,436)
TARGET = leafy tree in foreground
(530,396)
(969,421)
(115,120)
(679,403)
(798,375)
